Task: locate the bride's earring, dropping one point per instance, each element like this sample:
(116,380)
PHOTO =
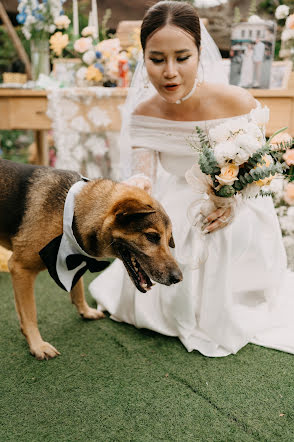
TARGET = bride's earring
(146,80)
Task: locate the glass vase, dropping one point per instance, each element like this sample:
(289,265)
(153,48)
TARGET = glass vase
(40,58)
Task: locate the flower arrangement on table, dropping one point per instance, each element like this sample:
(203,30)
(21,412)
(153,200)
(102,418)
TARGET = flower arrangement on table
(101,62)
(286,20)
(235,161)
(39,19)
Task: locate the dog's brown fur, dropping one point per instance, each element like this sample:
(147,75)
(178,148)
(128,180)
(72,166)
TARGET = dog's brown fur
(110,220)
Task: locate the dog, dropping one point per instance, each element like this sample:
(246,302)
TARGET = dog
(110,220)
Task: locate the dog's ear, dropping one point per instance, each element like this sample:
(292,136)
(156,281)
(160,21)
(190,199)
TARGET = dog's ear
(131,209)
(171,242)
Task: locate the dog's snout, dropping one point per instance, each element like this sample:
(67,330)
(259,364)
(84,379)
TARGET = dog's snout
(175,276)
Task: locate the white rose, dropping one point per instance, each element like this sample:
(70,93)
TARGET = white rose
(62,22)
(89,57)
(282,11)
(81,73)
(260,115)
(225,152)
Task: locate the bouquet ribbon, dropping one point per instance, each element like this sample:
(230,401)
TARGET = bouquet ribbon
(204,204)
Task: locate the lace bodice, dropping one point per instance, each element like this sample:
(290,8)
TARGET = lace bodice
(170,138)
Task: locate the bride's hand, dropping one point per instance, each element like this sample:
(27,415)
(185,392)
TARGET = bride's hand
(217,219)
(141,182)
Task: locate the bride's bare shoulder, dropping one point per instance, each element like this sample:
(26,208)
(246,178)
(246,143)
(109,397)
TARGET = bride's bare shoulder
(148,108)
(235,99)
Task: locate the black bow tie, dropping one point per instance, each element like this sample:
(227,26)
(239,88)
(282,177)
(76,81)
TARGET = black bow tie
(49,256)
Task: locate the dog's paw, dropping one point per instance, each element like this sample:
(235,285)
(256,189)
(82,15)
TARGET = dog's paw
(92,313)
(44,351)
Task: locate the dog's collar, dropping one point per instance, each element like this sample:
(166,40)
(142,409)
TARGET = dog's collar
(63,256)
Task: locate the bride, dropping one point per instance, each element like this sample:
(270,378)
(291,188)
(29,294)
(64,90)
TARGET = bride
(242,291)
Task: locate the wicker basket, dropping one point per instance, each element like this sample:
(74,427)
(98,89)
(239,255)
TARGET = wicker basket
(14,77)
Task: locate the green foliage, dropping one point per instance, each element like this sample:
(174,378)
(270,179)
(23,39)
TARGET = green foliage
(9,58)
(207,162)
(270,6)
(226,191)
(13,145)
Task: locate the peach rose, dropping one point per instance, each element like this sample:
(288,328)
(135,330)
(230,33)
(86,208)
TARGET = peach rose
(281,138)
(289,157)
(290,22)
(228,174)
(289,194)
(83,44)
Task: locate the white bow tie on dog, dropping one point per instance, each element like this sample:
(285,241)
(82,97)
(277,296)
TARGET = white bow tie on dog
(65,259)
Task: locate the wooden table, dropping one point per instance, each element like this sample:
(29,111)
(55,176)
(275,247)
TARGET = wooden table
(26,109)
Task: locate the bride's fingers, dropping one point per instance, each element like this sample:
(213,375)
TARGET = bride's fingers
(220,222)
(214,215)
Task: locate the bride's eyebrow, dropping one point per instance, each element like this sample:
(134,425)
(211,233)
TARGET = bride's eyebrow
(181,51)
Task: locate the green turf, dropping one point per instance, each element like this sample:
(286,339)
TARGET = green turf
(113,382)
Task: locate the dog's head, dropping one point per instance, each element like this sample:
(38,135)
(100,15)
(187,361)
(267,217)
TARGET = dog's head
(140,233)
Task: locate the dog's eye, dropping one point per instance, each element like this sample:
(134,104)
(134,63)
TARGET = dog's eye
(153,237)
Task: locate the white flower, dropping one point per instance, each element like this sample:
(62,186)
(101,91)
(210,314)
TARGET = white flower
(81,73)
(89,57)
(255,19)
(287,34)
(225,152)
(248,143)
(282,11)
(219,133)
(89,31)
(260,116)
(62,22)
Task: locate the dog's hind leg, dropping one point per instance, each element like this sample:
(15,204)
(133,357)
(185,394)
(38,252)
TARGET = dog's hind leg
(23,284)
(78,299)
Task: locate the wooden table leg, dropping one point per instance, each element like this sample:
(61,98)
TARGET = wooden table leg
(42,147)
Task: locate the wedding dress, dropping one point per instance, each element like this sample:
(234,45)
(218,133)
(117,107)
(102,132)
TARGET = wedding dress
(241,293)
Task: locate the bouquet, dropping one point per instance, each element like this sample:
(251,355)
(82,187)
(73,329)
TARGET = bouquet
(236,161)
(41,18)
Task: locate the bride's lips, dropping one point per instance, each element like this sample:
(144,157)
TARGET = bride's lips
(171,87)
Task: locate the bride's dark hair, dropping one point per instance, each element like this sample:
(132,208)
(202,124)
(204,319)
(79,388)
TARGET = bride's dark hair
(180,14)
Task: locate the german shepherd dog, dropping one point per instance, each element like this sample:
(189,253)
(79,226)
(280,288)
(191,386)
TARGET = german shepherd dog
(110,220)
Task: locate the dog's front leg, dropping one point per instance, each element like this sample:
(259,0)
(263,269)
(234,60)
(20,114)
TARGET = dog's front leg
(23,284)
(78,299)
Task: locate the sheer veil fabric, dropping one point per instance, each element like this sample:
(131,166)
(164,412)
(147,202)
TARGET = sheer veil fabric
(243,292)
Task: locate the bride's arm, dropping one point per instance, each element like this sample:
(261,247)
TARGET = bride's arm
(143,168)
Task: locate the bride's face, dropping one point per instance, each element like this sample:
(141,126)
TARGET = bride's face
(171,59)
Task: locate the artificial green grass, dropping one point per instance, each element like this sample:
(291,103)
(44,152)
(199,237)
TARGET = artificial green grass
(114,382)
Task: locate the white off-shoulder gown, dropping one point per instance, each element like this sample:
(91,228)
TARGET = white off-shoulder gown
(242,292)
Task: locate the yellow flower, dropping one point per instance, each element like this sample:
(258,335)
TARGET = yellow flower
(93,74)
(228,174)
(58,42)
